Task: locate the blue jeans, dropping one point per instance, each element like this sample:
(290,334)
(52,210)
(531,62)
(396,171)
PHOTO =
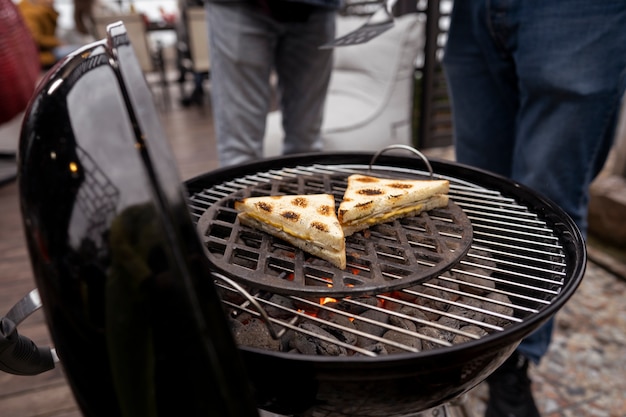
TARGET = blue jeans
(536,87)
(245,47)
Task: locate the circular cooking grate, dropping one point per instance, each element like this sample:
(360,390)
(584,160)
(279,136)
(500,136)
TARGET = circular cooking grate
(383,258)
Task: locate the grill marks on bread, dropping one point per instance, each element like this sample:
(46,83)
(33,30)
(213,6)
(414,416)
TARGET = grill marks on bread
(369,200)
(311,223)
(306,221)
(370,190)
(301,203)
(326,210)
(290,216)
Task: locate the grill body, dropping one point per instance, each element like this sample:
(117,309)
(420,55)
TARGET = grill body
(392,386)
(537,258)
(133,302)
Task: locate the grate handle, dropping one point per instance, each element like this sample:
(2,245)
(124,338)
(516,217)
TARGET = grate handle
(257,306)
(406,148)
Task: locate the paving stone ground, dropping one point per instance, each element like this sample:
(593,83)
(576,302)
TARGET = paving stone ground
(584,372)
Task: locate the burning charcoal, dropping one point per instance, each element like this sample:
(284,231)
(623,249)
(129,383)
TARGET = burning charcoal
(254,333)
(432,333)
(402,323)
(406,296)
(393,305)
(241,316)
(300,305)
(469,313)
(310,345)
(414,312)
(280,313)
(344,331)
(285,340)
(477,274)
(500,309)
(450,323)
(476,285)
(229,295)
(377,348)
(326,313)
(327,308)
(444,283)
(406,310)
(478,331)
(403,338)
(357,309)
(440,304)
(369,328)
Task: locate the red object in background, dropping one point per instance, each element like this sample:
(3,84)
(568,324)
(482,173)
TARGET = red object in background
(19,62)
(145,19)
(167,17)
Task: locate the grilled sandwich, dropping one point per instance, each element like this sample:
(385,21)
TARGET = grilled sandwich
(308,222)
(368,201)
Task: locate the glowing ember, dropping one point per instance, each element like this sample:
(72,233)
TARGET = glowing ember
(327,300)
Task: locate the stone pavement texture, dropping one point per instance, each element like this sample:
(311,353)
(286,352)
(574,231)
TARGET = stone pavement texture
(584,372)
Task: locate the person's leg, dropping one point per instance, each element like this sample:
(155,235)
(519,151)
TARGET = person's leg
(241,45)
(569,82)
(573,82)
(197,94)
(303,76)
(483,91)
(571,61)
(483,85)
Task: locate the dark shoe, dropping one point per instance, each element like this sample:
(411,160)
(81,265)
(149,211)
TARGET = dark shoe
(509,390)
(196,97)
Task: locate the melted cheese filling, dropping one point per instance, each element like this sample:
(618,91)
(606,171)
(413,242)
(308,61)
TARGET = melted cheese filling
(376,218)
(281,228)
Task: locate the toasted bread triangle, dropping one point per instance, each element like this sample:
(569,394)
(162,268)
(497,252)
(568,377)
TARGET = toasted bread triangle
(369,200)
(308,222)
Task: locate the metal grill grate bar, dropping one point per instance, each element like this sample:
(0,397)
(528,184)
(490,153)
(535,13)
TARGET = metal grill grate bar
(514,269)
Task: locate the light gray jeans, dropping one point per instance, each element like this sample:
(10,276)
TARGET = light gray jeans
(246,45)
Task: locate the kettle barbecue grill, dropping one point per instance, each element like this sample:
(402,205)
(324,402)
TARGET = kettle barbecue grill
(150,285)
